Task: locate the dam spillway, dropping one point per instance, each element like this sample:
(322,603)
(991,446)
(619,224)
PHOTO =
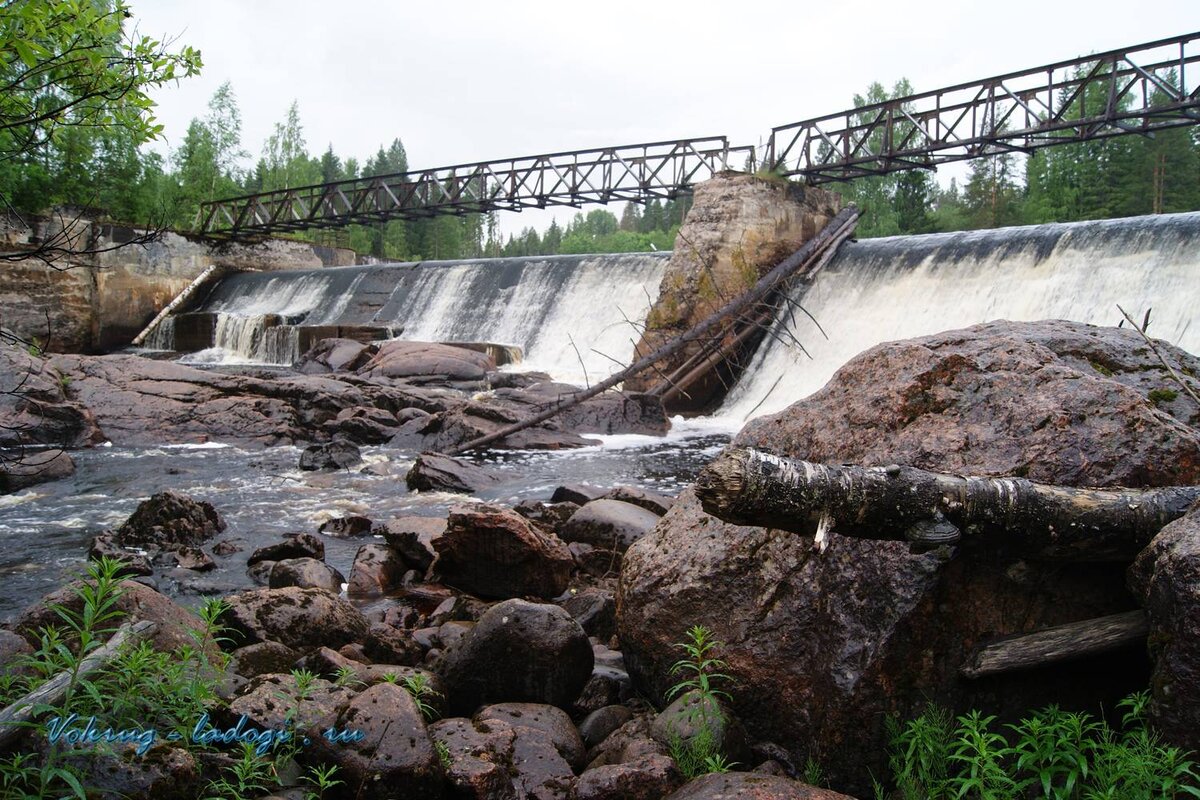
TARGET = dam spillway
(880,290)
(572,316)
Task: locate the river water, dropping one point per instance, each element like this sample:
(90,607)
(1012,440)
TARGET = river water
(261,494)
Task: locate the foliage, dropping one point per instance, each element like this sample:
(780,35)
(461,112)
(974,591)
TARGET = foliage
(1051,754)
(423,693)
(74,105)
(699,753)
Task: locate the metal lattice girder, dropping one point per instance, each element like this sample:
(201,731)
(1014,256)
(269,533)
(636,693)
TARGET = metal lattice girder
(1134,90)
(638,173)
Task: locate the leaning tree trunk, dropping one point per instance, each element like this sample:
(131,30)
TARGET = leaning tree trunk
(748,487)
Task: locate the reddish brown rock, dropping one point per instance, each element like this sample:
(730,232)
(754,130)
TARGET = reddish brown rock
(495,553)
(170,519)
(305,573)
(551,721)
(434,472)
(377,569)
(824,646)
(1166,576)
(394,757)
(651,777)
(751,786)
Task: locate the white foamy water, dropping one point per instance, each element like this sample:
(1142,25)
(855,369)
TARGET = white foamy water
(574,317)
(895,288)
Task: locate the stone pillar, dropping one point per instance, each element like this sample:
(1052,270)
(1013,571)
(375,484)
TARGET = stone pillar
(739,227)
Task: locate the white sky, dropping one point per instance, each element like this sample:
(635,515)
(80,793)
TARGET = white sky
(468,80)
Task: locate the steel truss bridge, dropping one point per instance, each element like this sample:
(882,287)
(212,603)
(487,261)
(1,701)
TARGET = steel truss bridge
(1135,90)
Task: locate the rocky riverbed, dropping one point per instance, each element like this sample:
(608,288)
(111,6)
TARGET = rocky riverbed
(544,623)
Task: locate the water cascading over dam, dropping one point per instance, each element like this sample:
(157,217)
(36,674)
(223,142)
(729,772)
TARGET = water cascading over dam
(898,287)
(569,315)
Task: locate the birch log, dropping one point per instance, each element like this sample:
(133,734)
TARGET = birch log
(748,487)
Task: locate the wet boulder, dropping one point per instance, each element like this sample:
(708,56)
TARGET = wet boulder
(651,501)
(330,456)
(376,570)
(168,520)
(495,553)
(305,573)
(413,537)
(416,360)
(294,545)
(470,420)
(598,725)
(823,646)
(608,524)
(595,610)
(334,355)
(492,760)
(346,527)
(434,472)
(23,467)
(518,652)
(608,413)
(298,618)
(263,658)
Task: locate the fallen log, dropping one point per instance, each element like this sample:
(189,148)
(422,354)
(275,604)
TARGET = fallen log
(748,487)
(1061,643)
(15,719)
(809,255)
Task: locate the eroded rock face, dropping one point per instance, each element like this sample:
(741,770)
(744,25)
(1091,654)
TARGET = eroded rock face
(739,227)
(141,402)
(824,646)
(518,652)
(1167,577)
(494,552)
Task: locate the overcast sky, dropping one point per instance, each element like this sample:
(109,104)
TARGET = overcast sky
(463,80)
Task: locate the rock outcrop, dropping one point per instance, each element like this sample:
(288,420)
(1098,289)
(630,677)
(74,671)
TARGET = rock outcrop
(739,227)
(823,646)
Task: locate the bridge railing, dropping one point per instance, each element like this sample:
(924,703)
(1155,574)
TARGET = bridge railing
(1132,90)
(636,172)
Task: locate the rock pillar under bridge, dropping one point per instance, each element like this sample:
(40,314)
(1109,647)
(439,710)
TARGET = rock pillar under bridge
(739,227)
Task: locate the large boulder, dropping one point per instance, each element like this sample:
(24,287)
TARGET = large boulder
(609,524)
(24,467)
(298,618)
(1166,576)
(496,553)
(170,520)
(404,359)
(824,646)
(434,472)
(176,627)
(37,406)
(518,652)
(394,757)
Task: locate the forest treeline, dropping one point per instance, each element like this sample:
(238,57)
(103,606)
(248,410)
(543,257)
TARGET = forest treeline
(108,169)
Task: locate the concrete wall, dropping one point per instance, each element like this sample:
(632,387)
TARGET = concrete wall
(99,302)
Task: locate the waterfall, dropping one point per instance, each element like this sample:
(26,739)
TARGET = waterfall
(572,316)
(898,287)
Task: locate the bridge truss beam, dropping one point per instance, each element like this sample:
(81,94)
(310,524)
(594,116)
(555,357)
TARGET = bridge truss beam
(1134,90)
(638,172)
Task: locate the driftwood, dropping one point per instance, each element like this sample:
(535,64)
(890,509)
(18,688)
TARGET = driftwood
(1060,643)
(837,230)
(14,718)
(749,487)
(210,273)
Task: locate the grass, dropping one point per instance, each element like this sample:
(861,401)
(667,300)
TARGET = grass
(1051,754)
